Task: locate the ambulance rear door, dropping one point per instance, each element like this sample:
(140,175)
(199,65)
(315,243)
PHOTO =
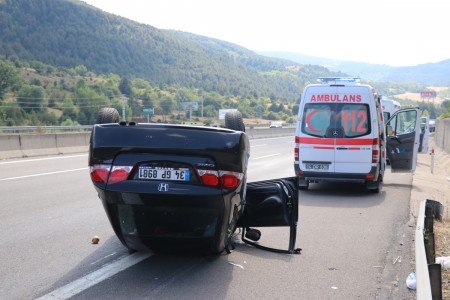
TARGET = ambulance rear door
(334,133)
(403,139)
(353,152)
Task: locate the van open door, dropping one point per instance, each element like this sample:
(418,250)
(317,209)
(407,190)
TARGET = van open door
(402,139)
(424,134)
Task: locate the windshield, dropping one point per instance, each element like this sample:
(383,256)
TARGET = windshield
(336,120)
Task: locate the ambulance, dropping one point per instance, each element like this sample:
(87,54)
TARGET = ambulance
(389,106)
(341,135)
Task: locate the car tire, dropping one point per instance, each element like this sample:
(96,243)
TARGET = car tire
(107,115)
(233,120)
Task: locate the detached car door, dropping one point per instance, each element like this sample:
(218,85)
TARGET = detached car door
(403,139)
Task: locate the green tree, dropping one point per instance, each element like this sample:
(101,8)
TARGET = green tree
(8,77)
(68,109)
(31,98)
(167,104)
(125,86)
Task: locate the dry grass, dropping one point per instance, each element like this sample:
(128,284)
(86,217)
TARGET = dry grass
(416,96)
(442,248)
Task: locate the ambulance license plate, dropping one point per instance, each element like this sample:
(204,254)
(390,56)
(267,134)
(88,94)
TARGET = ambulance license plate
(321,167)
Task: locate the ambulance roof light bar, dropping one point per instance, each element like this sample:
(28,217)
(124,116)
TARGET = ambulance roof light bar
(338,79)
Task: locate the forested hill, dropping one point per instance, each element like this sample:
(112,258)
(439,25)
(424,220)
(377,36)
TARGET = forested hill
(69,33)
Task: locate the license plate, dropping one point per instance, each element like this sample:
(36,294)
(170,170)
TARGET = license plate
(177,174)
(323,167)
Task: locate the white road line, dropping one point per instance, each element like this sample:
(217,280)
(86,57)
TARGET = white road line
(258,145)
(267,156)
(39,159)
(96,277)
(42,174)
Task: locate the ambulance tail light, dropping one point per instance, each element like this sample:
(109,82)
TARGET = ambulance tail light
(375,151)
(297,149)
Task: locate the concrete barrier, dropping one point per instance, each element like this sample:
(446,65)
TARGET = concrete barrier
(10,146)
(72,142)
(38,144)
(260,133)
(28,145)
(443,134)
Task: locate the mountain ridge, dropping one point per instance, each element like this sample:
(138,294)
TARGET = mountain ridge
(428,74)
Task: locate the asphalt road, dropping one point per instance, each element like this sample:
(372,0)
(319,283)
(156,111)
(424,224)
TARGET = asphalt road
(356,245)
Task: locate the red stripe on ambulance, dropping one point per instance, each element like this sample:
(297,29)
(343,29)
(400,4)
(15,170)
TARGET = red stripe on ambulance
(338,142)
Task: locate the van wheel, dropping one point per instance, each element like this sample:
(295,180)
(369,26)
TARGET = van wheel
(107,115)
(375,190)
(303,184)
(375,187)
(233,120)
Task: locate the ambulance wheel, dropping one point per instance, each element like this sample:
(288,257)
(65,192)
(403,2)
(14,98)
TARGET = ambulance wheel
(107,115)
(375,187)
(303,184)
(233,120)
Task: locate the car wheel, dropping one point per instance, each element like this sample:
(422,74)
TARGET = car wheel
(107,115)
(233,120)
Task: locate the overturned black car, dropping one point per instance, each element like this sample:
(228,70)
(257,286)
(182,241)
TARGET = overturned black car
(177,187)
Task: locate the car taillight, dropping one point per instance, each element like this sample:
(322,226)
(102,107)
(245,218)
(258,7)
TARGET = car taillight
(230,180)
(209,177)
(99,173)
(106,174)
(119,173)
(221,179)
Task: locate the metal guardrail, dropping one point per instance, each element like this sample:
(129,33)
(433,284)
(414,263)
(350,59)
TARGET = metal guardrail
(428,272)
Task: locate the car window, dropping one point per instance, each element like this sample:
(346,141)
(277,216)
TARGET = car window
(336,120)
(403,123)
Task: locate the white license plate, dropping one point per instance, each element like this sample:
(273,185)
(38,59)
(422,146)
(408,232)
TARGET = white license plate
(177,174)
(323,167)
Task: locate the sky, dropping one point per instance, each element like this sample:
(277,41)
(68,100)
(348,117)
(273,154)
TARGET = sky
(389,32)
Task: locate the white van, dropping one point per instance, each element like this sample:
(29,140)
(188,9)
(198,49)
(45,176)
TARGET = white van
(424,134)
(341,135)
(389,106)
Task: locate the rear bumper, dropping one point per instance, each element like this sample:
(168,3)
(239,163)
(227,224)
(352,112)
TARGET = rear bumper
(337,177)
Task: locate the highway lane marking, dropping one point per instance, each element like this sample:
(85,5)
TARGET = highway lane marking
(96,277)
(39,159)
(267,156)
(43,174)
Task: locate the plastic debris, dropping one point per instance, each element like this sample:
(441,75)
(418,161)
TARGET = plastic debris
(95,239)
(411,281)
(235,264)
(444,261)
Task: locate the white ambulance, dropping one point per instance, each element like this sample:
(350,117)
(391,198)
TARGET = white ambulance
(341,135)
(389,106)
